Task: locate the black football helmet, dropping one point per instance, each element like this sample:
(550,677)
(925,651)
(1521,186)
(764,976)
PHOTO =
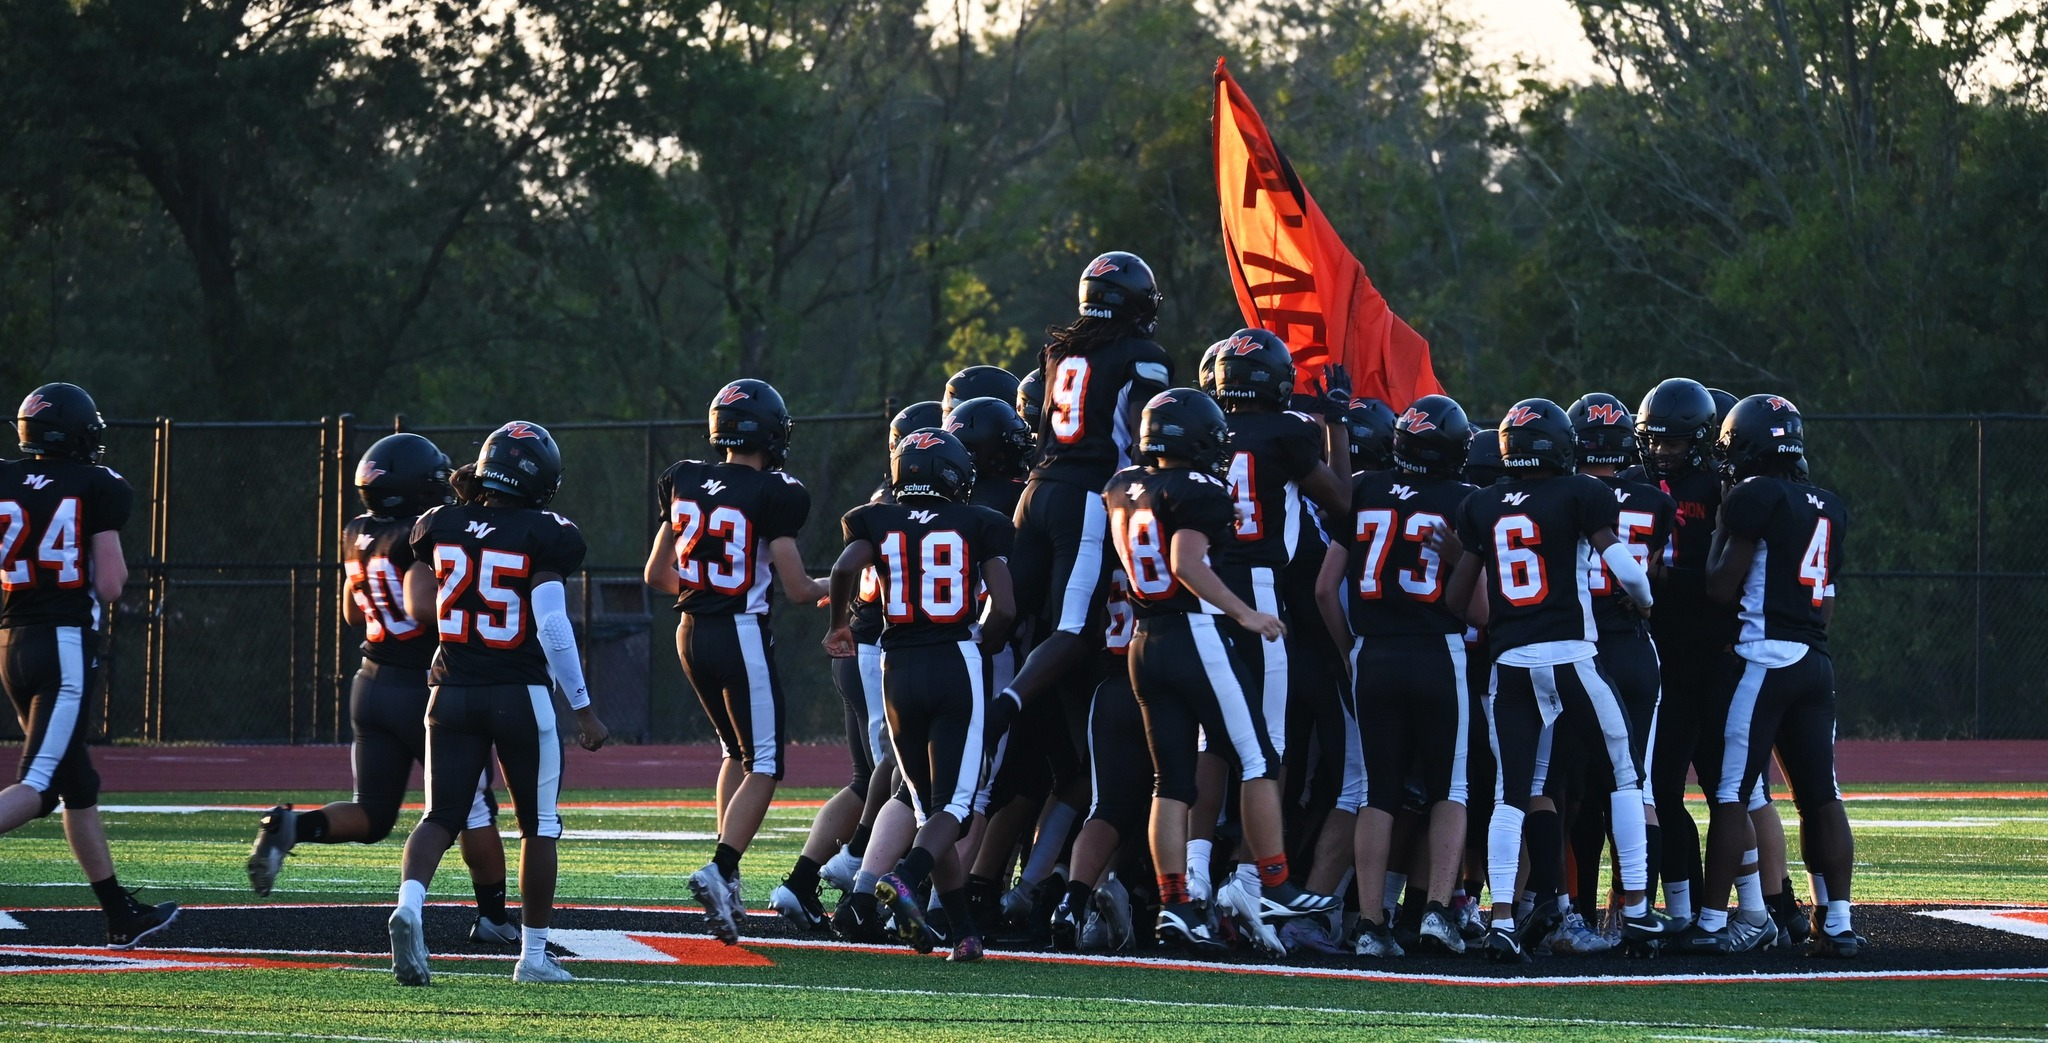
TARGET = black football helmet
(995,436)
(748,415)
(913,417)
(1431,437)
(1031,398)
(521,459)
(60,421)
(1205,373)
(1679,409)
(403,474)
(1723,402)
(1762,434)
(1369,425)
(1482,458)
(979,382)
(1603,429)
(1254,370)
(930,462)
(1187,425)
(1537,433)
(1119,285)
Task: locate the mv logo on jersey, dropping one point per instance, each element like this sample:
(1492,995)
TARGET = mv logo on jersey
(1605,413)
(1817,502)
(921,440)
(38,481)
(1516,499)
(1404,492)
(364,540)
(480,530)
(1415,421)
(713,486)
(1620,496)
(924,517)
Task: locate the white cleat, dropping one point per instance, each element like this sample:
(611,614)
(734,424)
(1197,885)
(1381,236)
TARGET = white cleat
(839,870)
(408,948)
(545,969)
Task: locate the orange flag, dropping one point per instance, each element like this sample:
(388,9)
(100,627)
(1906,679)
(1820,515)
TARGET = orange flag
(1293,274)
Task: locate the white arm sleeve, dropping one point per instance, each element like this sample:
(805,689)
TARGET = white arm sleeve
(1628,572)
(558,641)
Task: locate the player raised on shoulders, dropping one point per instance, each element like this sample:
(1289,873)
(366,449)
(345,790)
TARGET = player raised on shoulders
(493,569)
(932,550)
(61,514)
(728,530)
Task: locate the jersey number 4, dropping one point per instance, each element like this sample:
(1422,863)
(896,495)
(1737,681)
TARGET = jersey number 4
(941,576)
(57,552)
(1813,565)
(455,570)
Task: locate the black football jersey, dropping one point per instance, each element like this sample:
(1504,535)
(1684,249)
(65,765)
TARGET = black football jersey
(1798,531)
(1532,536)
(1645,518)
(49,512)
(998,494)
(377,552)
(1082,435)
(723,517)
(1397,582)
(866,620)
(930,555)
(1146,507)
(484,561)
(1270,453)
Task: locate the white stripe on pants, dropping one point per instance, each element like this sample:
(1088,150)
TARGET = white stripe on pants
(1081,583)
(547,782)
(1273,687)
(760,693)
(42,768)
(1237,713)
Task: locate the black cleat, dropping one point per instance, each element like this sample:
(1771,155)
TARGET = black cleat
(1066,928)
(126,928)
(1502,946)
(1844,946)
(1181,925)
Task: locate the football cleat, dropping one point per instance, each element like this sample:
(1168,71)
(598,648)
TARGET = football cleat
(839,870)
(1180,925)
(898,897)
(1014,907)
(1287,900)
(1698,940)
(1376,940)
(1311,934)
(486,931)
(1537,922)
(1438,932)
(408,948)
(127,928)
(859,920)
(1502,946)
(711,890)
(1470,921)
(1242,905)
(544,969)
(1794,928)
(1749,937)
(1844,946)
(966,950)
(1065,930)
(1654,923)
(1573,937)
(1113,911)
(803,910)
(275,836)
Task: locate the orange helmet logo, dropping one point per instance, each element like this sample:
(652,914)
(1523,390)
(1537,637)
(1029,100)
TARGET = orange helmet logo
(1102,266)
(1416,421)
(1606,413)
(521,429)
(1521,415)
(34,404)
(732,394)
(920,440)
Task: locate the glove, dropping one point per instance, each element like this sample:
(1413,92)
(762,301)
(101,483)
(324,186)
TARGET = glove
(464,481)
(1002,712)
(1334,389)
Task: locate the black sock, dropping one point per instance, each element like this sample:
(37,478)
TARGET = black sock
(1654,833)
(311,827)
(113,897)
(1078,895)
(490,901)
(727,860)
(804,878)
(858,846)
(915,867)
(959,921)
(1544,834)
(1412,908)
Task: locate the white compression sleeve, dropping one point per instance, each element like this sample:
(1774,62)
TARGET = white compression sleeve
(558,641)
(1628,572)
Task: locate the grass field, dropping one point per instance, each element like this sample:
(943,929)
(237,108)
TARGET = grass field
(1924,848)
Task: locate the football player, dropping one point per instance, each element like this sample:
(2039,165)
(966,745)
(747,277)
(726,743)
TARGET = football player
(978,382)
(1534,539)
(60,544)
(1369,425)
(401,477)
(1164,515)
(1408,661)
(1098,373)
(1777,550)
(730,531)
(1117,789)
(493,569)
(933,550)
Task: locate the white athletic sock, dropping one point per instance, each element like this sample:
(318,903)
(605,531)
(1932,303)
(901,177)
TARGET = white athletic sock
(1838,916)
(1247,876)
(1713,919)
(535,940)
(1678,898)
(864,882)
(1504,923)
(412,895)
(1631,843)
(1639,907)
(1820,888)
(1395,883)
(1199,854)
(1504,849)
(1052,839)
(1749,890)
(1564,903)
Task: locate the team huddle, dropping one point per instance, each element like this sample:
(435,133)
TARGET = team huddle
(1381,664)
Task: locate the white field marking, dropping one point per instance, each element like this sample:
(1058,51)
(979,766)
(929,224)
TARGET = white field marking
(610,946)
(638,834)
(164,1030)
(1972,822)
(9,923)
(1271,1008)
(700,807)
(102,960)
(1993,919)
(1733,1039)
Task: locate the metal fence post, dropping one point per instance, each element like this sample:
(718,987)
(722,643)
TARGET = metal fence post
(337,514)
(1983,728)
(160,588)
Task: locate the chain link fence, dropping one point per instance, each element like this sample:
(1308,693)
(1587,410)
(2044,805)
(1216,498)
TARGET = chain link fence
(230,629)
